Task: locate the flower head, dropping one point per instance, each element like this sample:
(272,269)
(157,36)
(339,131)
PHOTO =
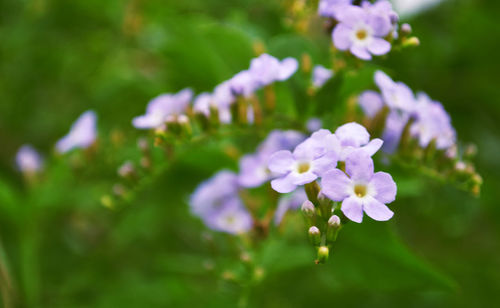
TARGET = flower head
(371,102)
(81,135)
(397,95)
(204,101)
(361,32)
(360,189)
(28,160)
(162,106)
(310,160)
(321,75)
(231,218)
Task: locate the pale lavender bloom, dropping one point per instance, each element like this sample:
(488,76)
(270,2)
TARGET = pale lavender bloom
(266,69)
(330,8)
(353,136)
(223,97)
(382,8)
(162,106)
(204,101)
(243,84)
(82,134)
(321,75)
(371,102)
(28,160)
(360,190)
(394,126)
(397,95)
(310,160)
(289,202)
(253,167)
(314,124)
(232,218)
(361,32)
(432,122)
(211,195)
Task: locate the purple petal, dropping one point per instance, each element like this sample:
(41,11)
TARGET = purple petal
(359,166)
(325,163)
(284,184)
(288,67)
(376,210)
(379,46)
(253,171)
(150,120)
(385,187)
(342,37)
(303,178)
(281,162)
(383,81)
(373,146)
(360,52)
(381,26)
(352,208)
(352,134)
(371,102)
(335,185)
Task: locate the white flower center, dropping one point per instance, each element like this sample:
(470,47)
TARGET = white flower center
(361,35)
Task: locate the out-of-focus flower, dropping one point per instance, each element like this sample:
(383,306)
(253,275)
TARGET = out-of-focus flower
(330,8)
(362,32)
(162,106)
(266,69)
(253,167)
(82,134)
(210,195)
(310,160)
(28,160)
(382,8)
(394,126)
(432,123)
(205,101)
(371,102)
(353,136)
(321,75)
(289,202)
(360,190)
(231,218)
(314,124)
(397,95)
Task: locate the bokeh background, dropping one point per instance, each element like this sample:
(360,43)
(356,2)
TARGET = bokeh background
(64,249)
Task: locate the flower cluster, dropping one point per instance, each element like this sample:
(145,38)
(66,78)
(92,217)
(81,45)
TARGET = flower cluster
(365,29)
(317,158)
(428,121)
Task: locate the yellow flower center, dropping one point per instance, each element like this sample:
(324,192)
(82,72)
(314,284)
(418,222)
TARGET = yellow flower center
(303,167)
(360,190)
(361,34)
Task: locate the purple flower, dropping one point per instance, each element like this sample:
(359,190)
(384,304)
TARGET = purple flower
(266,69)
(394,126)
(81,135)
(330,8)
(231,218)
(353,136)
(313,124)
(432,122)
(360,189)
(321,75)
(28,160)
(243,84)
(253,167)
(371,102)
(289,202)
(382,8)
(397,95)
(204,101)
(361,32)
(210,195)
(162,106)
(310,160)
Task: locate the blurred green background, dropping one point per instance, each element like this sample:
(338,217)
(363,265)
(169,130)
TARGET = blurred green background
(64,249)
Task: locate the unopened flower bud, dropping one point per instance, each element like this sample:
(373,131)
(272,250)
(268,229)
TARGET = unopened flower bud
(405,29)
(333,228)
(308,208)
(323,253)
(127,170)
(314,235)
(185,125)
(411,42)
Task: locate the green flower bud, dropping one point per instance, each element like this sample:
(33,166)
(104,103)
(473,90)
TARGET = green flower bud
(323,253)
(314,235)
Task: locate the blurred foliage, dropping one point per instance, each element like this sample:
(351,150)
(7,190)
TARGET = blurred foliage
(64,249)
